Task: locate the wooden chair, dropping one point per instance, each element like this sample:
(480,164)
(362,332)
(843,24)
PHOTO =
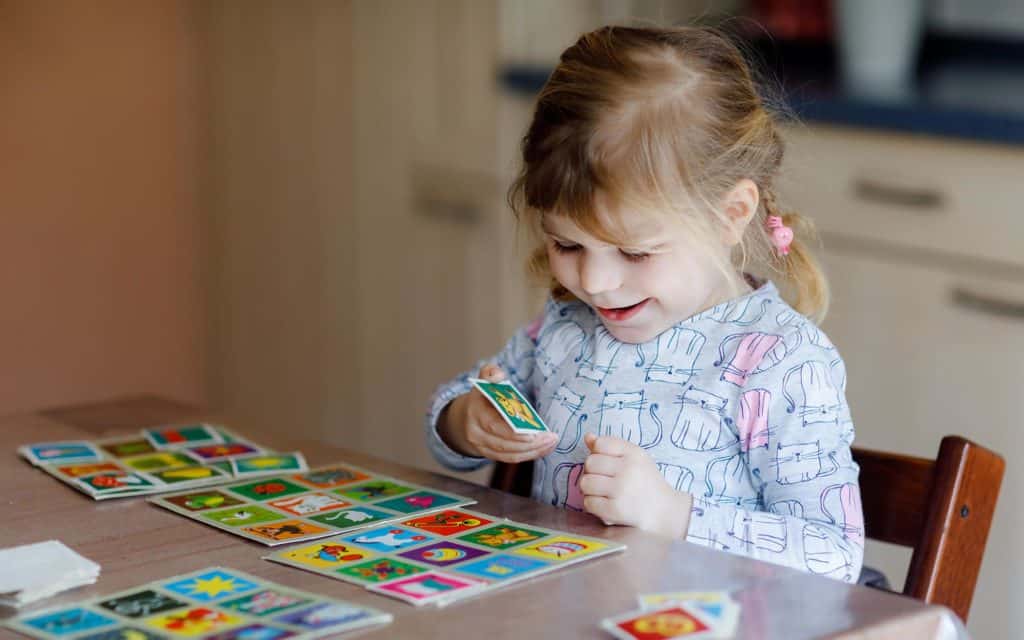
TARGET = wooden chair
(941,508)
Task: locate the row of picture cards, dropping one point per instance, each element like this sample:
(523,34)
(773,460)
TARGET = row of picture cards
(289,508)
(158,460)
(214,603)
(445,556)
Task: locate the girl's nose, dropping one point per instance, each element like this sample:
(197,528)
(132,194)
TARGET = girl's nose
(598,275)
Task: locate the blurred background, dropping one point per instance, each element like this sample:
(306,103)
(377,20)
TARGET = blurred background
(293,212)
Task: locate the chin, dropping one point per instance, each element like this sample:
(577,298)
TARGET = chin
(632,335)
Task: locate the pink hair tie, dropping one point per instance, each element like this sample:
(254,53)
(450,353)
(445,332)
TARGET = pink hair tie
(782,236)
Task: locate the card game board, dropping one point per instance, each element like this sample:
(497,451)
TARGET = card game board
(442,557)
(213,603)
(287,508)
(160,459)
(514,408)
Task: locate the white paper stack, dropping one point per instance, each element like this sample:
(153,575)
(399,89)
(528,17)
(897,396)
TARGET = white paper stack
(32,572)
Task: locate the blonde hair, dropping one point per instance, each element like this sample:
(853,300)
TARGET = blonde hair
(660,121)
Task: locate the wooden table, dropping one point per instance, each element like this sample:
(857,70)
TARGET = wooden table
(135,542)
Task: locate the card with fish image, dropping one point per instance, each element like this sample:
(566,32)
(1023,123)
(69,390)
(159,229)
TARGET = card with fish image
(214,602)
(513,406)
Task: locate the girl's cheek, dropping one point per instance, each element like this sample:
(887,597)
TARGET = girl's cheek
(560,264)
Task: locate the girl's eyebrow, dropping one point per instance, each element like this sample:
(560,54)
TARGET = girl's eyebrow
(551,232)
(545,227)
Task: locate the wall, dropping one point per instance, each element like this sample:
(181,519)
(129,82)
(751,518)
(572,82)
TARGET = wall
(278,191)
(100,228)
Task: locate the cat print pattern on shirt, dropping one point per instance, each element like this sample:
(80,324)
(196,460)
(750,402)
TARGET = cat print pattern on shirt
(702,423)
(556,343)
(811,394)
(628,416)
(674,358)
(564,416)
(599,352)
(742,406)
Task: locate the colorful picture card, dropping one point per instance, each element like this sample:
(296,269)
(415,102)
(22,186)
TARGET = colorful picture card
(290,507)
(442,557)
(158,460)
(214,602)
(702,618)
(513,406)
(716,609)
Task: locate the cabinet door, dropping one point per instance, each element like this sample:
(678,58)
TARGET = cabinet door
(931,352)
(426,201)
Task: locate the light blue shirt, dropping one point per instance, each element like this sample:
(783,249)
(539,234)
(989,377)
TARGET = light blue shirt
(742,405)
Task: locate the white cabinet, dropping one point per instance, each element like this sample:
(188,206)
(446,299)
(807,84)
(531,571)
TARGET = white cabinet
(927,269)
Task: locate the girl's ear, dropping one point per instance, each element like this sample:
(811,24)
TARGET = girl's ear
(739,205)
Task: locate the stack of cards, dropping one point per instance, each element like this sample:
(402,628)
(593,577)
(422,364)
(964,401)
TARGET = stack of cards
(32,572)
(210,603)
(305,506)
(443,557)
(157,460)
(512,405)
(680,614)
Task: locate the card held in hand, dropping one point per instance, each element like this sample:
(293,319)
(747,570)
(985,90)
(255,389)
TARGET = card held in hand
(512,406)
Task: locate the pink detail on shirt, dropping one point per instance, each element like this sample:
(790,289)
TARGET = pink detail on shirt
(573,496)
(752,421)
(853,513)
(533,329)
(751,351)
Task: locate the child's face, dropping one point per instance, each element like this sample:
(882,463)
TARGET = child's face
(639,290)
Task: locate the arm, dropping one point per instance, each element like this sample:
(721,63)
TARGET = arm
(795,436)
(456,407)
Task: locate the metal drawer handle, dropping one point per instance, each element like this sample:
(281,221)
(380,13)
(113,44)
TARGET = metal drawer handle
(449,211)
(987,305)
(924,199)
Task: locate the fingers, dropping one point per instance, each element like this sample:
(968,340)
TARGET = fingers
(491,373)
(608,445)
(512,448)
(597,486)
(601,507)
(601,464)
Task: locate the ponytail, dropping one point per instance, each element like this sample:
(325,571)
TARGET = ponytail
(800,271)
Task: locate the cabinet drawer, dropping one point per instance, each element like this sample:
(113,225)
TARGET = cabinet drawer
(932,194)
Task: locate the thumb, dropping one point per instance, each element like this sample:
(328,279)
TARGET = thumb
(492,373)
(589,439)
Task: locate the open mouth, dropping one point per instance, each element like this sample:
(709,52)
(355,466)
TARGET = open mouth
(619,314)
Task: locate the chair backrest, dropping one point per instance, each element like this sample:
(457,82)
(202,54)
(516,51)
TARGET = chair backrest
(941,508)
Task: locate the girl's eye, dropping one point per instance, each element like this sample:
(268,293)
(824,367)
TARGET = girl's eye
(565,248)
(635,256)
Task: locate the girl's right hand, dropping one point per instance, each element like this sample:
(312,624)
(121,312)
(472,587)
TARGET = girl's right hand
(473,426)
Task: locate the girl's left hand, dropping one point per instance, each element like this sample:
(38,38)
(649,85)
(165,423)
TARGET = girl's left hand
(621,484)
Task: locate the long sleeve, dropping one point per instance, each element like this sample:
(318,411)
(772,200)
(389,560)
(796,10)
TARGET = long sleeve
(795,434)
(516,359)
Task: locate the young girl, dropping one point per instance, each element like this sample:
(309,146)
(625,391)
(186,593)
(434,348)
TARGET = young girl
(686,397)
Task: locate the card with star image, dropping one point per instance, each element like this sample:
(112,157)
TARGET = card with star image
(512,405)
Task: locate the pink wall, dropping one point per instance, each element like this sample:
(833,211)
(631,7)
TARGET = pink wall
(100,224)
